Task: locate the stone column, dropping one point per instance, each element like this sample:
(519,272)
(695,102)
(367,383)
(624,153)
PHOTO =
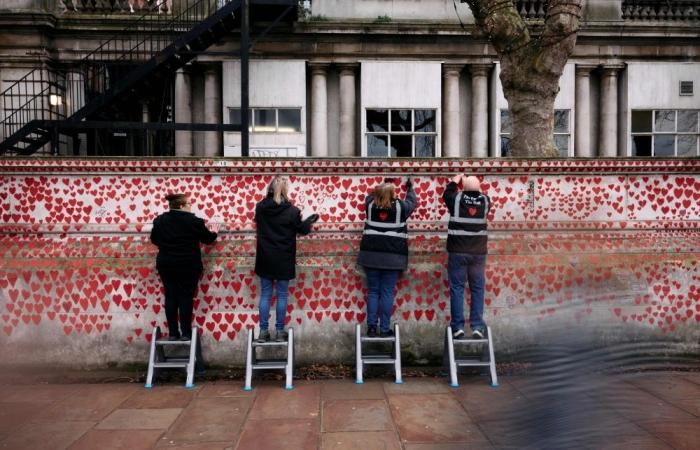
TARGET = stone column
(319,110)
(212,110)
(480,110)
(348,129)
(582,146)
(450,110)
(183,112)
(607,146)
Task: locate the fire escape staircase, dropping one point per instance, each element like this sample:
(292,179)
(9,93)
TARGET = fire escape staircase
(155,45)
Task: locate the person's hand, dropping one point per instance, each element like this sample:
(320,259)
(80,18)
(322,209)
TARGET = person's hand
(409,184)
(457,178)
(313,218)
(216,227)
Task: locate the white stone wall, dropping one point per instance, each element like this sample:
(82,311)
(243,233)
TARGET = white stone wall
(273,83)
(401,84)
(442,10)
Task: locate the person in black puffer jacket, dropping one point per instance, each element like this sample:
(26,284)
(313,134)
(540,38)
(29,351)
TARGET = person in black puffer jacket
(384,251)
(177,234)
(277,224)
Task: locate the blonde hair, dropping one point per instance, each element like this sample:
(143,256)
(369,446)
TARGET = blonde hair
(384,195)
(278,188)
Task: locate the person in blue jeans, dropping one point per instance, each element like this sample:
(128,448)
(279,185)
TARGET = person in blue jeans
(467,247)
(277,224)
(384,251)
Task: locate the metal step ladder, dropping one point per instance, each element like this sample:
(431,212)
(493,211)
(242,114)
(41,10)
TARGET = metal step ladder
(486,359)
(252,362)
(362,358)
(158,358)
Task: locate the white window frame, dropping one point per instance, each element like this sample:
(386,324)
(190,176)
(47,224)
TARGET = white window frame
(653,133)
(501,134)
(411,133)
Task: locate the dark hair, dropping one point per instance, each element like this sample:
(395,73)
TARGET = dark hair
(176,201)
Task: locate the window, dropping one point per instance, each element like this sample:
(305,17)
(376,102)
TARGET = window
(401,133)
(665,132)
(562,133)
(269,120)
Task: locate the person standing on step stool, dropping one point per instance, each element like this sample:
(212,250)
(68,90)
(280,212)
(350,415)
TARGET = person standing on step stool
(467,239)
(177,234)
(384,251)
(277,224)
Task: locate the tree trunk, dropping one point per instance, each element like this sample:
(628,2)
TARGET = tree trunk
(531,66)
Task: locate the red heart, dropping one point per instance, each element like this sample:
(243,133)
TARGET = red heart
(471,211)
(383,215)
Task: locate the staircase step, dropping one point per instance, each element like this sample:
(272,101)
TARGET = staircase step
(368,360)
(170,365)
(270,344)
(469,362)
(176,343)
(378,339)
(470,341)
(270,364)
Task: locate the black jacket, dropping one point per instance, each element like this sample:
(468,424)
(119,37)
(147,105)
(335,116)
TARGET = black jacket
(177,235)
(389,252)
(277,228)
(467,230)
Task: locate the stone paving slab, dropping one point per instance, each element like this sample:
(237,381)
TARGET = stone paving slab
(343,390)
(356,415)
(14,414)
(117,440)
(40,436)
(210,419)
(302,402)
(279,433)
(644,411)
(432,418)
(91,402)
(367,440)
(160,397)
(140,419)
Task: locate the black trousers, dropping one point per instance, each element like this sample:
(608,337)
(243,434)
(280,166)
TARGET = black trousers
(180,285)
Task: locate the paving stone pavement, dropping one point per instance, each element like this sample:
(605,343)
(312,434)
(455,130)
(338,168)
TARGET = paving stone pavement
(658,410)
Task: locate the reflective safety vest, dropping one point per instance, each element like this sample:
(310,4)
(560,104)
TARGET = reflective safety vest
(467,229)
(384,231)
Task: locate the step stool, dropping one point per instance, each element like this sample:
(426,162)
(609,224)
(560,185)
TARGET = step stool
(393,358)
(487,358)
(159,360)
(253,363)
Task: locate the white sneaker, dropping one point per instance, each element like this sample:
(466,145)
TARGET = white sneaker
(477,333)
(459,334)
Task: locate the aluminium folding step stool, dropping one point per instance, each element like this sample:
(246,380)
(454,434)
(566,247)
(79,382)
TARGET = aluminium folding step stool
(252,362)
(362,358)
(487,358)
(158,359)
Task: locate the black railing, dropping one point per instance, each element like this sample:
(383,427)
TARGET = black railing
(661,10)
(55,93)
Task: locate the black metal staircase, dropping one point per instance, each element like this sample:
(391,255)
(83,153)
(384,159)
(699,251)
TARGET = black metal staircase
(140,58)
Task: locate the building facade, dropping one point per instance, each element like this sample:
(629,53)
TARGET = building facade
(387,78)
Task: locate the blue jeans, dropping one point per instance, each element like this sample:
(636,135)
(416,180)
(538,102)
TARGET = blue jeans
(380,296)
(281,307)
(471,267)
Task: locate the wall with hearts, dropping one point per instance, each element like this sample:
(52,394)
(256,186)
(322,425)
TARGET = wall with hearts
(580,244)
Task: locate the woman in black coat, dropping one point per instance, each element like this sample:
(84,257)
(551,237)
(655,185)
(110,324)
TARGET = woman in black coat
(277,223)
(177,234)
